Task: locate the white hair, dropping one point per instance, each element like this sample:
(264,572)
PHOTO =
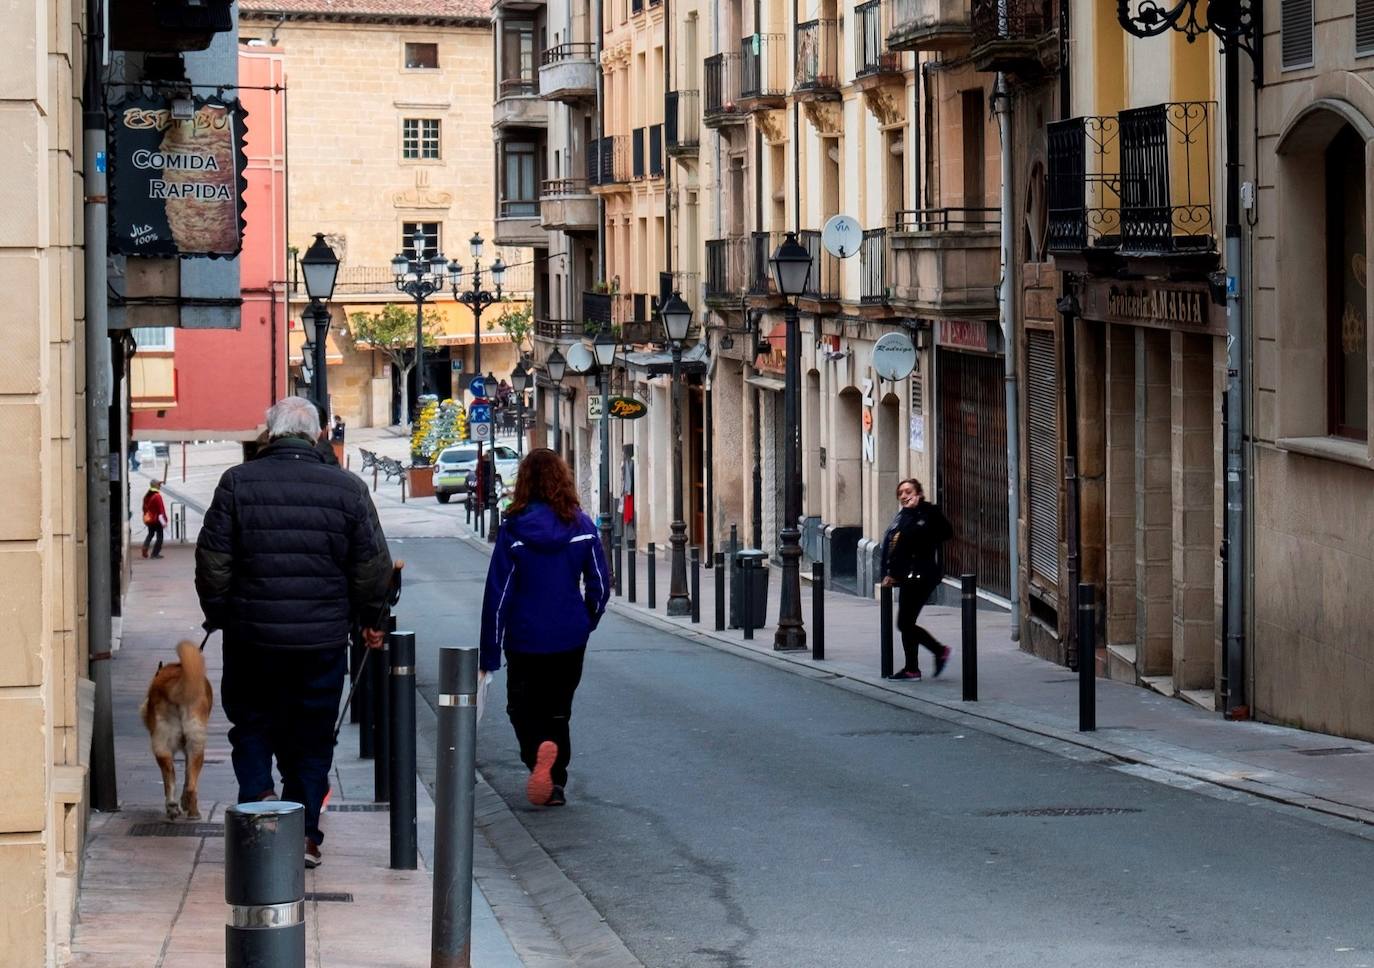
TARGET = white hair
(293,417)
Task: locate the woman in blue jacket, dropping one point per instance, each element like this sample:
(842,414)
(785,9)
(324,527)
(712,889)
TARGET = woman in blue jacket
(546,590)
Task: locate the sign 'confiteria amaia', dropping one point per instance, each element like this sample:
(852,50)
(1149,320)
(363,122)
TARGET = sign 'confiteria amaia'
(1184,307)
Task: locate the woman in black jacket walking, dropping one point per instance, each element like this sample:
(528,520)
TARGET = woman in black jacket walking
(912,563)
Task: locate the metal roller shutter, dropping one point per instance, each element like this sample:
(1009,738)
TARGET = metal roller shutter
(1042,445)
(1296,33)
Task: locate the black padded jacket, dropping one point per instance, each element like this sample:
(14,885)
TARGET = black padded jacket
(911,547)
(291,554)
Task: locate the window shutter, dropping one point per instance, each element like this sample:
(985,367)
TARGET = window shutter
(1364,26)
(1042,444)
(1296,40)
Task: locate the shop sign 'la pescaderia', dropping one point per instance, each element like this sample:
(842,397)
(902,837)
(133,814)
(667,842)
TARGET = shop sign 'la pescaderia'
(176,185)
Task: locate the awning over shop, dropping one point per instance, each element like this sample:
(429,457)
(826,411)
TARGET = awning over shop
(694,360)
(295,339)
(766,383)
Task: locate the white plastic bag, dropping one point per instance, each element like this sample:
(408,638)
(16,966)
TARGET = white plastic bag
(483,683)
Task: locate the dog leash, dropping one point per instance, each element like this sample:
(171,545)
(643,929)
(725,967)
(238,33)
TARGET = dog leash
(392,599)
(208,633)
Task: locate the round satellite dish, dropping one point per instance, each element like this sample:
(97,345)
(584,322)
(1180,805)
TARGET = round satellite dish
(580,359)
(894,357)
(842,236)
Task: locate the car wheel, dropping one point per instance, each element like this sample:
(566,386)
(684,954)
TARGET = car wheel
(443,498)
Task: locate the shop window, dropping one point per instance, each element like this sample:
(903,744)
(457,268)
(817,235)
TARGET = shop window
(1347,323)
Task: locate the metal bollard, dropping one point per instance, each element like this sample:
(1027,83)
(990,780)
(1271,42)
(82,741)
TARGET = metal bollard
(720,591)
(454,801)
(467,511)
(403,489)
(746,618)
(264,885)
(634,572)
(402,781)
(374,478)
(1087,658)
(653,578)
(885,631)
(818,610)
(619,565)
(696,585)
(969,603)
(378,674)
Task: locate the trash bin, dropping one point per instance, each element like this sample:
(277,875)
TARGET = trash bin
(749,566)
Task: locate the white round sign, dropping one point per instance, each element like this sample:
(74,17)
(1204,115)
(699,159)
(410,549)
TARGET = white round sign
(894,357)
(580,359)
(842,236)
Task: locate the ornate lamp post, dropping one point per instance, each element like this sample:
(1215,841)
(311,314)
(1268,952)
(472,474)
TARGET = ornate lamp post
(677,320)
(604,346)
(1237,23)
(477,299)
(791,265)
(419,278)
(520,380)
(320,266)
(557,367)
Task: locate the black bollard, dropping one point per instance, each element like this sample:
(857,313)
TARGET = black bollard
(720,591)
(747,597)
(885,631)
(264,885)
(619,555)
(367,706)
(696,585)
(379,672)
(633,573)
(451,920)
(402,779)
(653,578)
(969,584)
(1087,658)
(818,610)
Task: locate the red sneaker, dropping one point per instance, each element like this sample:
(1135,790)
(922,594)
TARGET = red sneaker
(540,786)
(941,659)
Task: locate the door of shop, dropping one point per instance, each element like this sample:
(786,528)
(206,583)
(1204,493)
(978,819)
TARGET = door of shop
(972,466)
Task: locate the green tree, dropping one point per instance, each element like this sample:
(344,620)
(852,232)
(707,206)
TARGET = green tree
(391,332)
(517,321)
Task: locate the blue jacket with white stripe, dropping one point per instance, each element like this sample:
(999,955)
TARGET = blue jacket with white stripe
(546,588)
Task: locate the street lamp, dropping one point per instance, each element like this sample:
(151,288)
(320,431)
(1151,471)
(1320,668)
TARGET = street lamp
(521,378)
(419,278)
(320,266)
(791,265)
(604,346)
(677,320)
(557,367)
(477,299)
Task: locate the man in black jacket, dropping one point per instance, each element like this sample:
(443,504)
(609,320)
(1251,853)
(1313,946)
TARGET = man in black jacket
(912,561)
(289,557)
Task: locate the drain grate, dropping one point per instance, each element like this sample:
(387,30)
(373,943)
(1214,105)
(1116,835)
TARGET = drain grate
(341,897)
(1062,812)
(165,828)
(358,808)
(1332,751)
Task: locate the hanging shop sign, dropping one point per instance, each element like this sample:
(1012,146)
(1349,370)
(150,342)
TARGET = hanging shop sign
(1183,307)
(628,408)
(176,185)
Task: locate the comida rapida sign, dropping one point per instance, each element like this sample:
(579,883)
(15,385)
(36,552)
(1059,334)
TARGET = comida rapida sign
(176,185)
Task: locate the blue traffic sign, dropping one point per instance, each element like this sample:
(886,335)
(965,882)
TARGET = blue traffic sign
(479,413)
(478,387)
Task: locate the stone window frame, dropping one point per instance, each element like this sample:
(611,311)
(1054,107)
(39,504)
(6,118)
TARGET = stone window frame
(1300,249)
(406,44)
(422,141)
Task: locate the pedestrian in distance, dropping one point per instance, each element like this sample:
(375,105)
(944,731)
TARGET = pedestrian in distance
(154,519)
(290,557)
(337,431)
(546,591)
(912,562)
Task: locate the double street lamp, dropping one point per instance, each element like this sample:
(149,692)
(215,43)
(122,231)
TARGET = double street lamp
(557,368)
(320,266)
(419,277)
(604,346)
(791,265)
(677,320)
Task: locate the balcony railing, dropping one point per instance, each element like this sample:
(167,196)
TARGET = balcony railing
(762,245)
(873,268)
(518,208)
(597,310)
(871,53)
(686,283)
(947,220)
(1140,182)
(726,269)
(622,169)
(1006,32)
(557,329)
(556,187)
(722,76)
(682,122)
(817,66)
(637,139)
(519,86)
(762,70)
(573,50)
(655,150)
(928,24)
(824,282)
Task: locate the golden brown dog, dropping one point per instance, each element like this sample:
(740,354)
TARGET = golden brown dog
(175,712)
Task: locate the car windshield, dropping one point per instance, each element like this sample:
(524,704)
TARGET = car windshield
(465,456)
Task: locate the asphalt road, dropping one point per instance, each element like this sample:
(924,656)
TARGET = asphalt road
(726,814)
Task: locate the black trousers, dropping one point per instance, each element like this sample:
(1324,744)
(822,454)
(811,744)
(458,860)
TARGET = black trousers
(915,593)
(154,536)
(539,695)
(282,704)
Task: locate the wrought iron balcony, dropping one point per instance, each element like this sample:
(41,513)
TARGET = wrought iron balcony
(686,283)
(817,69)
(762,245)
(823,284)
(928,25)
(557,330)
(872,55)
(682,122)
(726,270)
(873,268)
(722,76)
(1013,35)
(1139,183)
(947,220)
(763,69)
(567,204)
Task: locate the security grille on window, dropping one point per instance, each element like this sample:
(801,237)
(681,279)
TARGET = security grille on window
(431,234)
(422,57)
(1042,445)
(420,138)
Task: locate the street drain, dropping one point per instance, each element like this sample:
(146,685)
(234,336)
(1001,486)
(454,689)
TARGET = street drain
(164,828)
(358,808)
(341,897)
(1332,751)
(1062,812)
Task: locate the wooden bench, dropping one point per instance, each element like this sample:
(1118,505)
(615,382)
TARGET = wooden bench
(391,468)
(369,459)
